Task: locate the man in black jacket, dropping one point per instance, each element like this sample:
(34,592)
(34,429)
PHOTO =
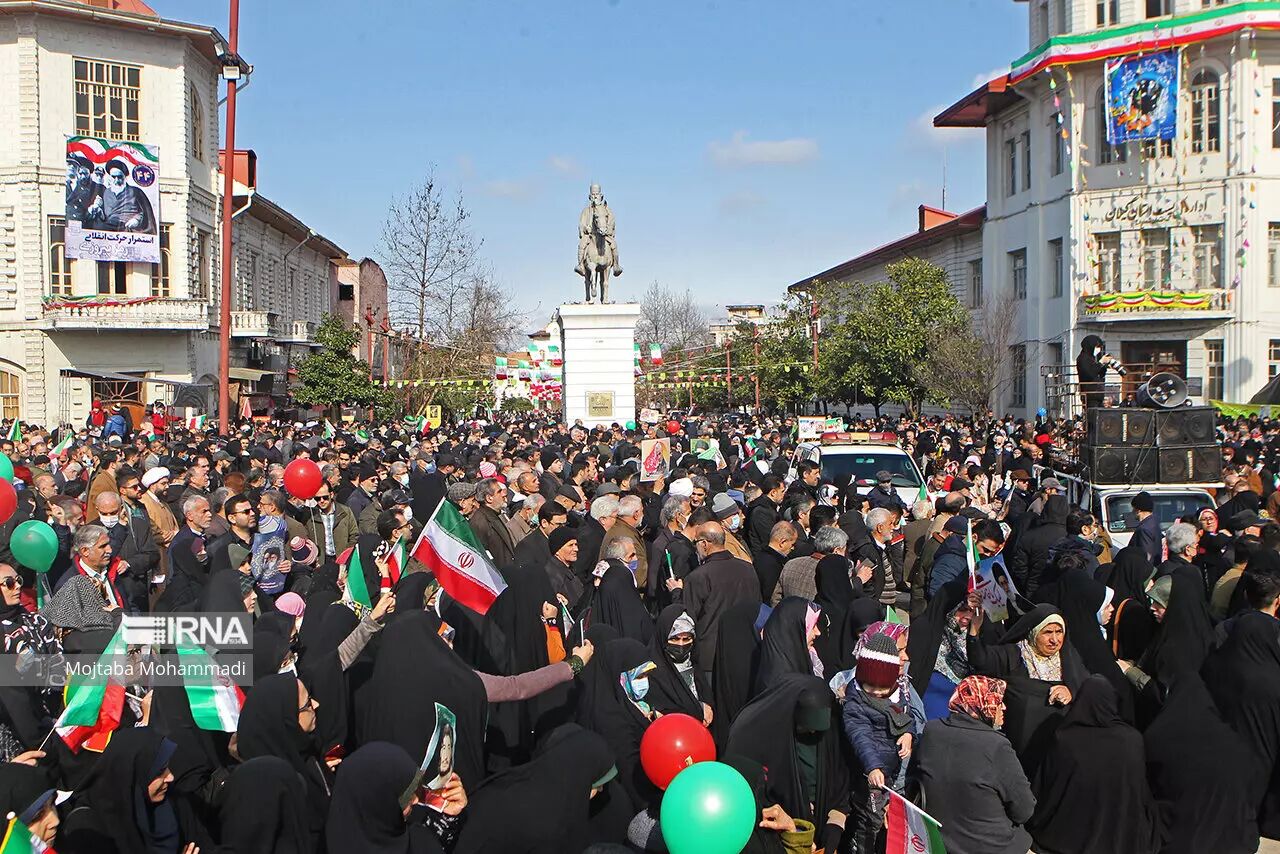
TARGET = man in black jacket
(762,514)
(604,511)
(1031,554)
(769,563)
(132,543)
(535,549)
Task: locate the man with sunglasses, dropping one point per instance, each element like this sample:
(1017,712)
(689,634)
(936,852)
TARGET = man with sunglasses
(242,521)
(330,524)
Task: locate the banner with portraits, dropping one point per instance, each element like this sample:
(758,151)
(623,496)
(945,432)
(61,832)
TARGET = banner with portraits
(113,200)
(1142,97)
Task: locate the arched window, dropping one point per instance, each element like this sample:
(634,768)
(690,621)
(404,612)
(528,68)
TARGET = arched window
(1108,153)
(197,125)
(1206,112)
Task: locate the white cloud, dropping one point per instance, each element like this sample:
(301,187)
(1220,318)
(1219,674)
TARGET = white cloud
(740,202)
(509,189)
(563,164)
(739,151)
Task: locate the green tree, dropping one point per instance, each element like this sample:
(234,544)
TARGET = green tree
(517,404)
(332,375)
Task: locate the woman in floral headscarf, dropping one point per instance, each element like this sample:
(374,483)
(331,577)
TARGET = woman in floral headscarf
(972,780)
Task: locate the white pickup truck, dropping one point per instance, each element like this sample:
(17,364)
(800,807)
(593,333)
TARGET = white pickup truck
(1113,505)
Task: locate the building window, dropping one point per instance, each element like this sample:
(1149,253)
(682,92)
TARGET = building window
(202,265)
(1154,248)
(1108,153)
(1205,112)
(1107,272)
(1273,255)
(1275,113)
(1018,376)
(975,284)
(160,285)
(10,392)
(1207,256)
(1026,160)
(1040,22)
(113,278)
(1057,144)
(197,125)
(1159,8)
(1108,12)
(59,263)
(1157,148)
(1273,357)
(1018,273)
(107,97)
(1056,271)
(1011,173)
(1213,369)
(1062,11)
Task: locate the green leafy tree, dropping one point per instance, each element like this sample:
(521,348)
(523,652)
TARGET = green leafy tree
(332,376)
(517,404)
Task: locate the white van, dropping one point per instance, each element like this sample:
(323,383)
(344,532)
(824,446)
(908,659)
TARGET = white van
(861,456)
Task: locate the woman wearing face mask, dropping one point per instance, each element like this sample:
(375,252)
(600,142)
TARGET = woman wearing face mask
(791,730)
(613,702)
(673,686)
(126,807)
(787,643)
(279,719)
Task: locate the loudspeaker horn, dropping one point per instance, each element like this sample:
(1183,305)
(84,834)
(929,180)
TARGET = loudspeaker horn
(1164,391)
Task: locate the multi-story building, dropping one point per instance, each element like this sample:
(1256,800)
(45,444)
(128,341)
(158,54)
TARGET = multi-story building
(360,298)
(72,330)
(1169,250)
(724,330)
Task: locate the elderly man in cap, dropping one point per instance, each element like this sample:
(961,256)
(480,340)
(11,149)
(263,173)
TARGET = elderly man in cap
(1148,536)
(563,545)
(164,525)
(730,516)
(82,193)
(489,525)
(884,495)
(462,495)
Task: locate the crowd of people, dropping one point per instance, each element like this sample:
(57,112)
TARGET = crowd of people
(826,631)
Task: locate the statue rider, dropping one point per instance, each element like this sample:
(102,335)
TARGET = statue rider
(585,232)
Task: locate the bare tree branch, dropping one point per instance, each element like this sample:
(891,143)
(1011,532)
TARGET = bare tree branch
(672,319)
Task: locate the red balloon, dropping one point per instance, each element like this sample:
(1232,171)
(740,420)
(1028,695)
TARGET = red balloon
(671,744)
(302,478)
(8,501)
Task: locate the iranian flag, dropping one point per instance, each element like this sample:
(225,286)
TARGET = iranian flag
(215,701)
(397,560)
(448,548)
(923,494)
(655,355)
(93,704)
(64,444)
(357,587)
(972,558)
(911,830)
(15,431)
(18,839)
(329,431)
(196,422)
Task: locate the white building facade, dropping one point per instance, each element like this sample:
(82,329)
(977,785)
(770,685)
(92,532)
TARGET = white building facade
(1167,250)
(75,330)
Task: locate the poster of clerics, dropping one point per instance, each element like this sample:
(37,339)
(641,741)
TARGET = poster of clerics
(113,200)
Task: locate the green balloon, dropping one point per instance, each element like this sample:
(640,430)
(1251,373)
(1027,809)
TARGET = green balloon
(6,468)
(631,425)
(35,545)
(708,809)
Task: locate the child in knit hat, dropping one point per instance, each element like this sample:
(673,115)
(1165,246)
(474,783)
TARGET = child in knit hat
(882,718)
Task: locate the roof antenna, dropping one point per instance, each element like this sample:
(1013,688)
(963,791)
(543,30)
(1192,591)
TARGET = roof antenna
(944,177)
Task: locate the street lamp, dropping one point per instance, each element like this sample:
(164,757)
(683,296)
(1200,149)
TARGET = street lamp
(233,69)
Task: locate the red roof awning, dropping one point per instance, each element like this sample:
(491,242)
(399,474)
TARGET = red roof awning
(973,110)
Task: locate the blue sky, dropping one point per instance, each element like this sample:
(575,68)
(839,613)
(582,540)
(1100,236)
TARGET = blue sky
(742,145)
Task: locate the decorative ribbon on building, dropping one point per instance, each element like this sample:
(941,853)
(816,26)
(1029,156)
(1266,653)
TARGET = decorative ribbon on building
(94,301)
(1160,300)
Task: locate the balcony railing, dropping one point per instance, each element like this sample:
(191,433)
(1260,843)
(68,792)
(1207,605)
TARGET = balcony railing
(124,314)
(297,332)
(254,324)
(1111,306)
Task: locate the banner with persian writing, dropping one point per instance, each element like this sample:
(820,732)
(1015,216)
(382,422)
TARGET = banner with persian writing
(1142,97)
(113,200)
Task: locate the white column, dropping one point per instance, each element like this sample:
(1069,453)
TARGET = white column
(598,342)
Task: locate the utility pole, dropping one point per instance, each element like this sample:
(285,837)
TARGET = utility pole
(813,327)
(728,371)
(368,319)
(755,338)
(228,181)
(386,349)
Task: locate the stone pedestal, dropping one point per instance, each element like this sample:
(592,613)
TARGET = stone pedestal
(598,343)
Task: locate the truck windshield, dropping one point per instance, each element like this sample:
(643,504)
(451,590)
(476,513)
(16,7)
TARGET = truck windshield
(865,466)
(1170,506)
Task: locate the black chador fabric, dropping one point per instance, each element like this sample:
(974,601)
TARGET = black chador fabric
(365,814)
(1079,599)
(1194,764)
(269,727)
(766,732)
(835,598)
(737,656)
(1132,626)
(222,593)
(321,671)
(1185,634)
(668,691)
(925,638)
(762,841)
(477,640)
(269,648)
(1130,570)
(1243,677)
(264,809)
(542,807)
(414,670)
(1029,721)
(604,708)
(1091,790)
(617,603)
(783,647)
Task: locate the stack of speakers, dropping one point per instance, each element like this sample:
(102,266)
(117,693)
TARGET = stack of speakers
(1153,446)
